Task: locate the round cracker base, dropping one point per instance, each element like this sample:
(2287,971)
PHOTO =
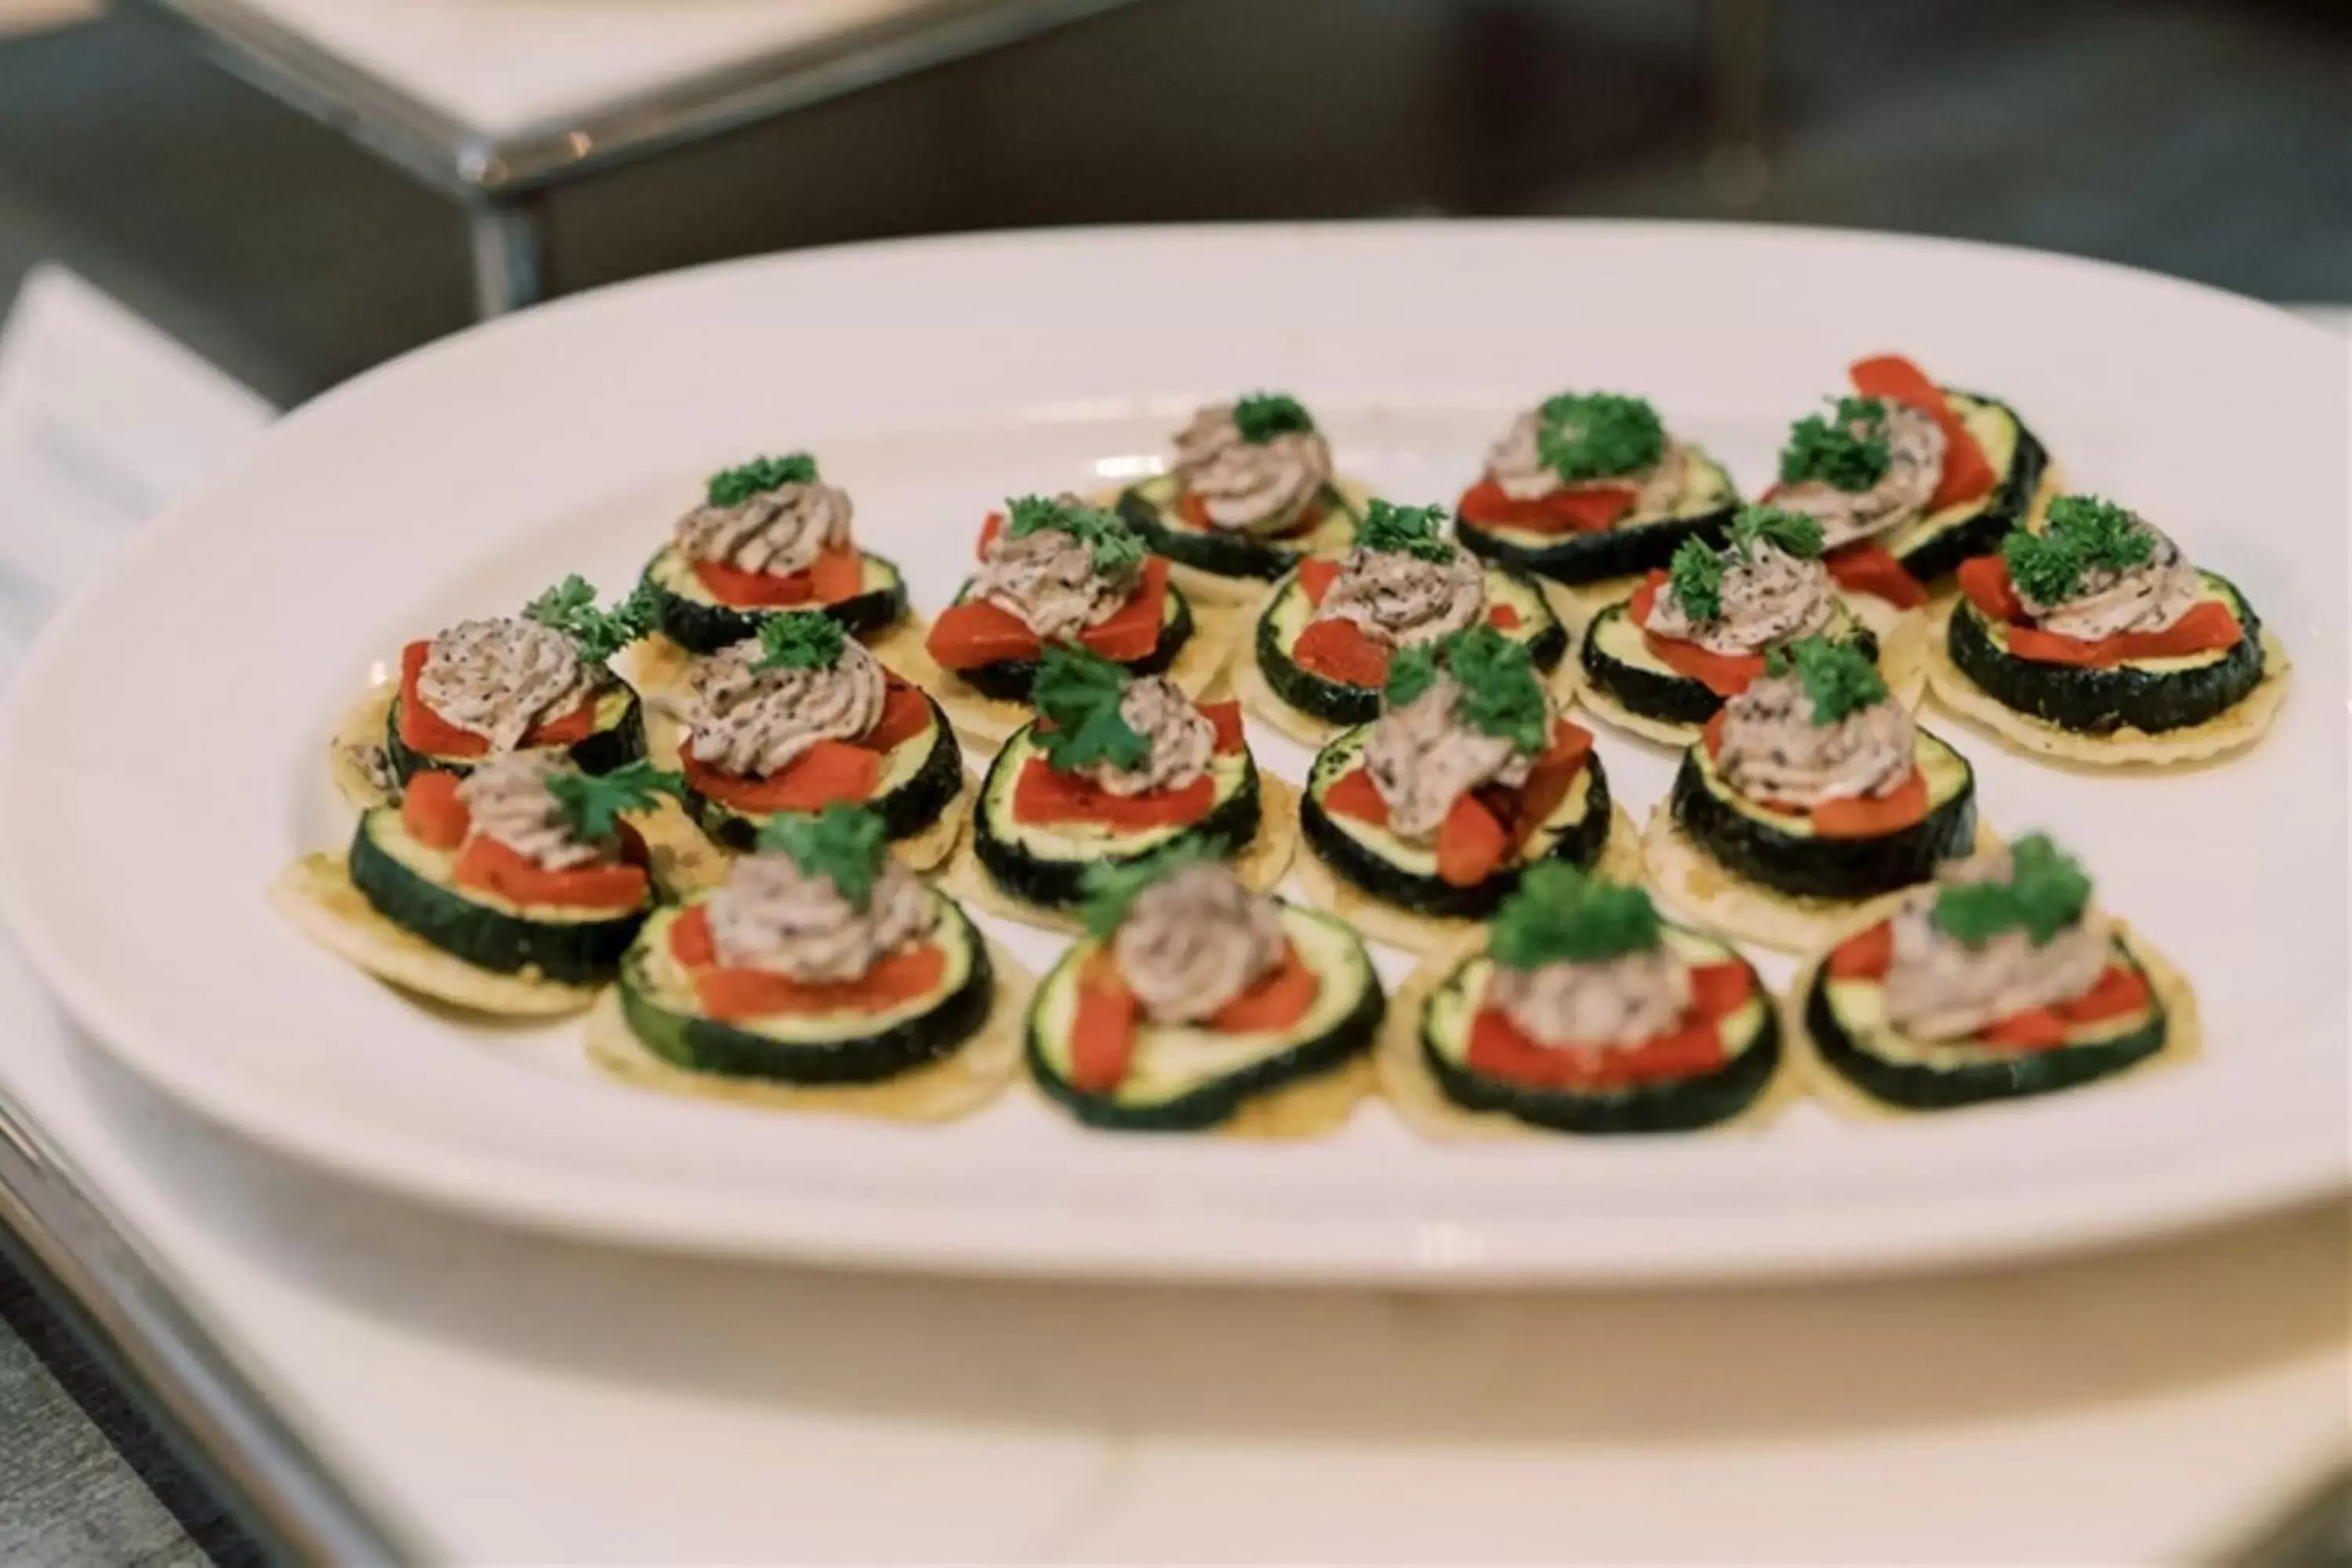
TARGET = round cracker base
(2234,729)
(1701,888)
(658,669)
(1305,1109)
(1620,861)
(2184,1037)
(1261,864)
(316,895)
(1422,1105)
(1198,668)
(356,757)
(685,861)
(945,1090)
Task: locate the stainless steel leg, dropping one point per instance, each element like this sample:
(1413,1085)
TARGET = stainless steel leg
(509,256)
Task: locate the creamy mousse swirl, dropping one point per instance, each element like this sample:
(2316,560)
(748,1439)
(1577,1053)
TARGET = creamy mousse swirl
(1049,579)
(1402,600)
(1195,939)
(1181,738)
(752,721)
(506,799)
(1773,750)
(1515,464)
(770,914)
(1244,484)
(496,678)
(778,532)
(1914,466)
(1940,988)
(1619,1002)
(1422,757)
(1770,596)
(2148,597)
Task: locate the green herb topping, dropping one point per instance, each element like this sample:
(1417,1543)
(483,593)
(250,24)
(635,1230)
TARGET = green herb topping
(1837,676)
(799,640)
(1263,416)
(1501,695)
(1560,915)
(2081,533)
(592,803)
(1694,577)
(1599,436)
(570,607)
(1115,547)
(1079,691)
(1415,531)
(1791,533)
(734,487)
(2045,894)
(844,844)
(1847,452)
(1112,886)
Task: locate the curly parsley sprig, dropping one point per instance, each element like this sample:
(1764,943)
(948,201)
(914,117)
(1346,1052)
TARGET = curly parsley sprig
(2081,534)
(1582,436)
(1501,694)
(1791,533)
(593,804)
(570,607)
(1847,452)
(1263,416)
(1562,915)
(1415,531)
(2046,894)
(734,487)
(1115,547)
(844,844)
(800,639)
(1839,679)
(1695,578)
(1111,886)
(1078,693)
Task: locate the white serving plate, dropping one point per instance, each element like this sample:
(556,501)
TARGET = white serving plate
(159,752)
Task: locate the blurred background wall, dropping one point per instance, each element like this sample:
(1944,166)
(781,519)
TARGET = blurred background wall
(2206,138)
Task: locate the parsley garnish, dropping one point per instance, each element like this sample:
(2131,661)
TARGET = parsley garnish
(1414,530)
(1078,693)
(1263,416)
(1115,547)
(2045,894)
(570,607)
(1560,915)
(734,487)
(2045,567)
(1694,577)
(2081,534)
(1501,695)
(1112,886)
(1598,435)
(844,844)
(1837,676)
(592,804)
(1831,451)
(799,640)
(1791,532)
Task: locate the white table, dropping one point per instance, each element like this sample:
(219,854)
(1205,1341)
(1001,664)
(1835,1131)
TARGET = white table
(494,102)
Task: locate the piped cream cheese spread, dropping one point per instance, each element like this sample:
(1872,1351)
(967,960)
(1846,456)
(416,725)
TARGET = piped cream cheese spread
(1914,466)
(777,532)
(1049,579)
(1194,940)
(1423,756)
(1772,749)
(1769,598)
(1181,739)
(1940,988)
(772,915)
(1403,601)
(1243,484)
(1618,1002)
(496,678)
(506,799)
(755,723)
(2148,597)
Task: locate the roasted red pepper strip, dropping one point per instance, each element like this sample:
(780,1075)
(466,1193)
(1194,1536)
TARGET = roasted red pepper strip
(1190,508)
(2207,625)
(1282,996)
(1102,1031)
(490,867)
(1353,794)
(423,730)
(1133,629)
(1043,794)
(1894,379)
(1316,576)
(1548,781)
(1865,568)
(1985,580)
(2117,991)
(431,811)
(1873,816)
(1725,674)
(1587,508)
(1472,844)
(1500,1049)
(730,994)
(906,713)
(829,771)
(1865,955)
(1226,718)
(1338,651)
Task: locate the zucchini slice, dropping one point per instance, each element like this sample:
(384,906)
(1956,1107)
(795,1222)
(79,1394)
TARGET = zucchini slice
(1149,509)
(1847,1021)
(658,1004)
(414,887)
(919,779)
(1751,1044)
(618,738)
(1289,613)
(1185,1078)
(1046,864)
(2151,695)
(1009,680)
(1782,851)
(1377,862)
(690,615)
(1632,545)
(1933,547)
(1616,657)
